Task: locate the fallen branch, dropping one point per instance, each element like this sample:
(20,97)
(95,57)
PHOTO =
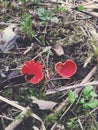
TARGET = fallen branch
(12,103)
(23,115)
(71,87)
(5,117)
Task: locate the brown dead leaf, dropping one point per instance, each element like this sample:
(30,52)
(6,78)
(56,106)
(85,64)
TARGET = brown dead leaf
(58,50)
(43,104)
(8,37)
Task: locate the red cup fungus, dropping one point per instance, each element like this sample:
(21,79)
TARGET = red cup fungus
(33,71)
(67,69)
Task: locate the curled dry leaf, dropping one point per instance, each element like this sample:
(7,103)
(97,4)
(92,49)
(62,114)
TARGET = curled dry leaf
(58,50)
(43,104)
(8,37)
(60,127)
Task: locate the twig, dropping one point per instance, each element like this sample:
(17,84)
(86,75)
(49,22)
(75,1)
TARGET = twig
(87,78)
(80,123)
(52,79)
(12,103)
(93,6)
(28,49)
(65,111)
(53,127)
(93,110)
(24,114)
(44,50)
(2,23)
(71,87)
(5,117)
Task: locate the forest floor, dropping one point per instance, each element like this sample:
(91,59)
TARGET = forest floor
(48,65)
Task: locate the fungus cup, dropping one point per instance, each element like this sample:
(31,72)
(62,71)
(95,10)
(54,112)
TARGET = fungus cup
(33,71)
(67,69)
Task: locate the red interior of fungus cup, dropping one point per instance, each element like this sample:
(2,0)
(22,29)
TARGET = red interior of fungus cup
(67,69)
(33,71)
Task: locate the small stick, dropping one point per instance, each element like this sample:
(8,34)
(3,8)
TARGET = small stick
(44,50)
(12,103)
(24,114)
(80,123)
(28,49)
(71,87)
(87,78)
(7,118)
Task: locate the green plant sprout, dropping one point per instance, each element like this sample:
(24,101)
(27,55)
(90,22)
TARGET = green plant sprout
(80,8)
(51,118)
(44,14)
(72,97)
(26,25)
(37,2)
(70,123)
(88,99)
(60,9)
(22,1)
